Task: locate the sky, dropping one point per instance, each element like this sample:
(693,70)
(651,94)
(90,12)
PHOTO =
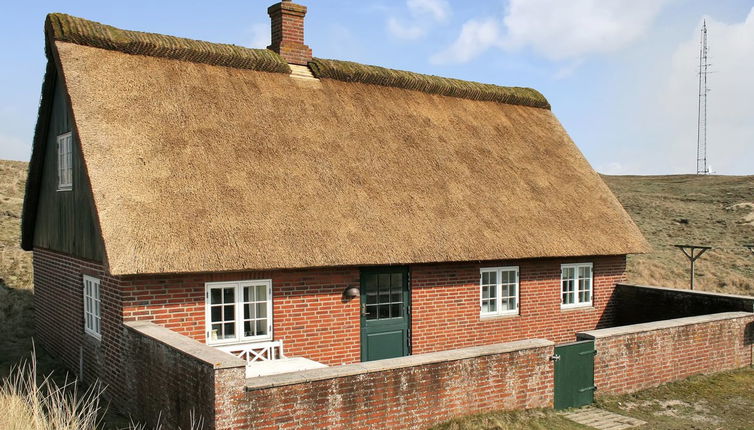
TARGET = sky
(621,75)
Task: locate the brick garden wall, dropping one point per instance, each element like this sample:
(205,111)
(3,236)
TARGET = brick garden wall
(639,303)
(635,357)
(446,304)
(407,392)
(174,379)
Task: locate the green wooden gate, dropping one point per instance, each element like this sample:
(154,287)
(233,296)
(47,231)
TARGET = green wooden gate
(574,374)
(384,313)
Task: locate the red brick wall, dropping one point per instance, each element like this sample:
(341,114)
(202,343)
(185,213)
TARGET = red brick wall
(445,308)
(59,316)
(406,396)
(309,314)
(311,318)
(649,356)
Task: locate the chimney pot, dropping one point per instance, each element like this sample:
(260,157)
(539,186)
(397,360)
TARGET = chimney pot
(288,32)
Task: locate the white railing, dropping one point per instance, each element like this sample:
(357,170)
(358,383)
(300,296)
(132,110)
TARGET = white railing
(259,351)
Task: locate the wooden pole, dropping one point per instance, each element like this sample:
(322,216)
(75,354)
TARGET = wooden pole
(690,252)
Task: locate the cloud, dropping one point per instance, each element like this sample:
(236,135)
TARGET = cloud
(438,9)
(403,31)
(259,35)
(476,37)
(560,30)
(422,15)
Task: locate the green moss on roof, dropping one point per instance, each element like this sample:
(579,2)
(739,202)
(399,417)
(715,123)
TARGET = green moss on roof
(354,72)
(66,28)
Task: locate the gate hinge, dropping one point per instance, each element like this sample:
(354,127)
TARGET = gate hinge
(555,357)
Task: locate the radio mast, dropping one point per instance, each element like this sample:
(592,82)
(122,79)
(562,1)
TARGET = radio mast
(701,116)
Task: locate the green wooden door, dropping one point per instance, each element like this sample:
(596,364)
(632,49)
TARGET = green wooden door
(574,374)
(384,313)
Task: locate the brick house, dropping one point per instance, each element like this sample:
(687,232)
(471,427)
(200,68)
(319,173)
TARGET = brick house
(268,199)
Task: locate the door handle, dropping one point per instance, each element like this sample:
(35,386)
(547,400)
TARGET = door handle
(363,310)
(555,357)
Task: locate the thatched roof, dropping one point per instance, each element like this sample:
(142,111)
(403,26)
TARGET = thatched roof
(200,167)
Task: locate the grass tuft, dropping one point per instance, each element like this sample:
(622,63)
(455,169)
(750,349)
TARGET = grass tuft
(29,404)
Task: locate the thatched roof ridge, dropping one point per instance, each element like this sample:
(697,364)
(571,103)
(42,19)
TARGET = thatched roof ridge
(66,28)
(213,168)
(348,71)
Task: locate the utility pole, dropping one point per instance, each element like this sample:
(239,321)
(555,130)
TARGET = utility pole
(701,114)
(693,255)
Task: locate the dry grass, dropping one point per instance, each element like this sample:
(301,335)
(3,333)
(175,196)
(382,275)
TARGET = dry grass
(29,404)
(688,209)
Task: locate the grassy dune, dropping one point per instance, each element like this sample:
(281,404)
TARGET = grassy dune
(715,211)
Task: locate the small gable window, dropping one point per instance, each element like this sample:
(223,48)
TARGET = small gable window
(239,311)
(576,285)
(65,162)
(499,291)
(92,315)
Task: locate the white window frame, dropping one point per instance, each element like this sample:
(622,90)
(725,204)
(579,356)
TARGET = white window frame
(239,285)
(65,162)
(499,290)
(92,307)
(576,303)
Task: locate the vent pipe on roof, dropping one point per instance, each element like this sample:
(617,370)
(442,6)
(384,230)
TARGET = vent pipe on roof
(288,32)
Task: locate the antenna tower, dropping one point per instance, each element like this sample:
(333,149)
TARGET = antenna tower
(701,116)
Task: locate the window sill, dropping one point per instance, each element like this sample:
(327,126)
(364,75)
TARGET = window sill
(584,307)
(239,342)
(93,336)
(488,317)
(65,189)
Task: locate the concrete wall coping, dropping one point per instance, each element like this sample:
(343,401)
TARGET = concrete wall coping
(660,325)
(334,372)
(207,354)
(692,292)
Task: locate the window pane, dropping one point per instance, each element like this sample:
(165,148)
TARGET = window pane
(371,297)
(395,310)
(383,311)
(230,330)
(248,328)
(261,293)
(229,295)
(246,294)
(215,313)
(485,306)
(215,295)
(261,310)
(228,313)
(248,311)
(217,330)
(485,292)
(261,327)
(371,312)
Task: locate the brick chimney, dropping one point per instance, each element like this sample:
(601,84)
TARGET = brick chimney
(288,32)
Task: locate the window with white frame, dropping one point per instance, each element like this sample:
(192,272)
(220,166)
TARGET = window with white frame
(238,311)
(92,311)
(499,291)
(65,162)
(576,284)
